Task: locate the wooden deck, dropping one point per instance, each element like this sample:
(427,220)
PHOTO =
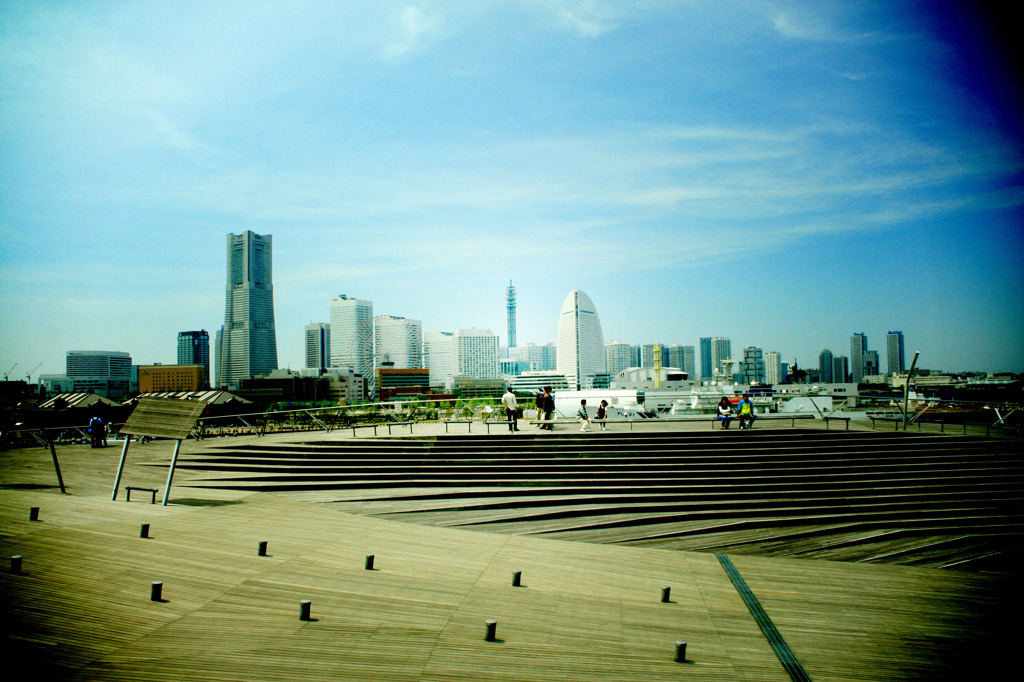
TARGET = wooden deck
(82,609)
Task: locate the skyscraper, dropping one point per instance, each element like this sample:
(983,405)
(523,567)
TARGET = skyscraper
(840,369)
(352,335)
(773,367)
(721,349)
(540,358)
(398,340)
(753,365)
(618,356)
(476,353)
(248,339)
(825,366)
(706,366)
(107,373)
(895,352)
(510,309)
(194,349)
(858,347)
(580,354)
(439,358)
(318,345)
(683,358)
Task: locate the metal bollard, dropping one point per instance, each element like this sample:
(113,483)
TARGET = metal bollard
(156,591)
(369,562)
(665,592)
(33,514)
(517,578)
(144,532)
(304,607)
(263,548)
(16,564)
(680,651)
(492,627)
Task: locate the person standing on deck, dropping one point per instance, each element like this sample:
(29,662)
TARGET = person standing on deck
(509,401)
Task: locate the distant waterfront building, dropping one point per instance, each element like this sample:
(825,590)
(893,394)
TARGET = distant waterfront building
(773,367)
(871,363)
(618,356)
(107,373)
(895,352)
(858,347)
(580,354)
(352,335)
(439,358)
(248,339)
(194,349)
(840,369)
(476,353)
(682,357)
(176,378)
(647,355)
(541,358)
(825,366)
(753,365)
(398,340)
(318,345)
(706,363)
(721,349)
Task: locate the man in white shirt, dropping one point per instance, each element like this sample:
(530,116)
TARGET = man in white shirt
(509,401)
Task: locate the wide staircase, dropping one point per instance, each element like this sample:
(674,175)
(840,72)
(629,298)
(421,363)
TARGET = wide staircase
(928,500)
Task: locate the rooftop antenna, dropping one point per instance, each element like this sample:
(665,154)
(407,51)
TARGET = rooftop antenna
(510,307)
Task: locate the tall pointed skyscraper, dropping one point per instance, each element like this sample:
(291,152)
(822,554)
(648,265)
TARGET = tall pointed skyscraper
(248,340)
(580,354)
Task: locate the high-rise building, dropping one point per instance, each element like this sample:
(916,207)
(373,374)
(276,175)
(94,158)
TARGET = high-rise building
(825,366)
(706,365)
(107,373)
(858,347)
(510,310)
(682,357)
(896,354)
(248,339)
(439,358)
(580,352)
(647,354)
(618,356)
(753,365)
(318,345)
(398,340)
(541,358)
(194,349)
(872,365)
(773,367)
(721,349)
(476,353)
(352,335)
(840,369)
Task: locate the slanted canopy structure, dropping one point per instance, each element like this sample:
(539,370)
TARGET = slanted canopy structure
(160,418)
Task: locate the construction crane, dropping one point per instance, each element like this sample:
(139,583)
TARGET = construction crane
(28,377)
(8,373)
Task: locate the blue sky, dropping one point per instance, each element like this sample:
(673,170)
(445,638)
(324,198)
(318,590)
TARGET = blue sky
(784,174)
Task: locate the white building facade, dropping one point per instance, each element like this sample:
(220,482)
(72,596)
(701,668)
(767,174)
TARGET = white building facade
(398,340)
(581,352)
(352,334)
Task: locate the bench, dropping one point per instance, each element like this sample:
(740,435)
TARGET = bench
(469,422)
(130,488)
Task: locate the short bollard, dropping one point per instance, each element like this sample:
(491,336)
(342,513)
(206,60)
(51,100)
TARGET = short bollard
(517,577)
(156,591)
(144,532)
(16,564)
(33,514)
(263,548)
(369,562)
(304,606)
(680,651)
(492,628)
(665,593)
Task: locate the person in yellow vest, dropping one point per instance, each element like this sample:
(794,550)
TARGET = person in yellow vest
(746,410)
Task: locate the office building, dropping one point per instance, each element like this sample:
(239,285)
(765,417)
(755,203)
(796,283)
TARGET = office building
(171,378)
(773,368)
(318,345)
(248,339)
(106,373)
(398,342)
(352,335)
(194,349)
(872,366)
(895,352)
(541,358)
(840,369)
(825,366)
(439,358)
(580,354)
(682,357)
(618,356)
(706,364)
(858,347)
(647,354)
(721,349)
(753,365)
(476,353)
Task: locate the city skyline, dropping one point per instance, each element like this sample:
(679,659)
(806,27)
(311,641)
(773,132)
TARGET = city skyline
(779,174)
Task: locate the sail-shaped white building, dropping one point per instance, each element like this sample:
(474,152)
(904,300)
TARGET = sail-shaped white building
(580,355)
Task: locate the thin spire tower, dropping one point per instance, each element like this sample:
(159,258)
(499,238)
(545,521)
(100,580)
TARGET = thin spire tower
(510,307)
